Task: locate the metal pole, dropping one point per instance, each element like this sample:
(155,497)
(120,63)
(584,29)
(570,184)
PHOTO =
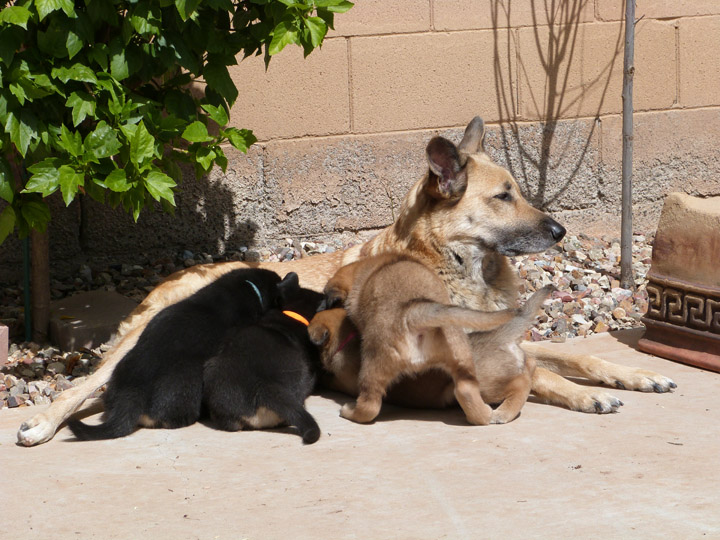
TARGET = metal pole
(627,280)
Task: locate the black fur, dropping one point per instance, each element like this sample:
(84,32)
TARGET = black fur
(161,376)
(269,364)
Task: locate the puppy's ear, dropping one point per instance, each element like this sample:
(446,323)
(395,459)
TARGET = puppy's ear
(318,333)
(288,286)
(447,178)
(474,137)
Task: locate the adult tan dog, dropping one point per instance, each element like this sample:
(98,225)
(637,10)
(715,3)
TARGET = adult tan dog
(461,219)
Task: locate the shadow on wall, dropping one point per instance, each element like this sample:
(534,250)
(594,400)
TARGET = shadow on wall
(554,162)
(212,216)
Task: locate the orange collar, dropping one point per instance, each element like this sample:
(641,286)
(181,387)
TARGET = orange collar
(297,317)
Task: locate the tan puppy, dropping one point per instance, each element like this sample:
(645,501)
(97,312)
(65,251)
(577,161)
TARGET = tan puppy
(503,371)
(403,313)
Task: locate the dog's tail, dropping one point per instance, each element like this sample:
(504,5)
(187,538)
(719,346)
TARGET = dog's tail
(297,416)
(424,315)
(524,319)
(121,420)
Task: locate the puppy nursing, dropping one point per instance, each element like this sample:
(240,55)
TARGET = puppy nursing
(403,313)
(407,331)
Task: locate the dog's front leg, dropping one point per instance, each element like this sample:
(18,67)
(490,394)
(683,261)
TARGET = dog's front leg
(557,390)
(599,370)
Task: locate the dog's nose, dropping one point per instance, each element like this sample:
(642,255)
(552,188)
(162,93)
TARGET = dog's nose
(556,230)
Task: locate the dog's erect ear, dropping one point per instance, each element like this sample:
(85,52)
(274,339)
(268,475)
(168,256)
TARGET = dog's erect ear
(472,141)
(448,178)
(289,284)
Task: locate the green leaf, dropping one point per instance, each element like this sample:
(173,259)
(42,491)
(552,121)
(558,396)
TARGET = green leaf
(10,39)
(70,141)
(217,114)
(36,213)
(142,143)
(160,185)
(145,21)
(16,15)
(82,105)
(21,130)
(317,28)
(218,78)
(45,7)
(117,181)
(7,222)
(196,133)
(241,139)
(336,6)
(186,8)
(119,67)
(45,178)
(76,72)
(205,157)
(283,34)
(102,142)
(6,181)
(69,180)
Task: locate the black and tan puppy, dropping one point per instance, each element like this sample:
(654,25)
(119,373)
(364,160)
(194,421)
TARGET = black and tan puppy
(263,372)
(158,382)
(503,371)
(401,309)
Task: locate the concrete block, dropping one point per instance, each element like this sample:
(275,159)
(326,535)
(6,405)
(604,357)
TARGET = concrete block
(296,96)
(87,319)
(584,76)
(700,61)
(383,17)
(4,343)
(472,15)
(683,318)
(428,80)
(614,10)
(343,184)
(673,151)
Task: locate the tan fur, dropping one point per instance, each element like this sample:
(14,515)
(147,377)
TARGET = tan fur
(503,371)
(452,231)
(401,310)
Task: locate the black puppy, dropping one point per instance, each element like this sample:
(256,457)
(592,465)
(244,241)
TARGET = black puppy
(265,371)
(158,382)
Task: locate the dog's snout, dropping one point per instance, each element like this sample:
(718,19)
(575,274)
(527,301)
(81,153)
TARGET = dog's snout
(556,230)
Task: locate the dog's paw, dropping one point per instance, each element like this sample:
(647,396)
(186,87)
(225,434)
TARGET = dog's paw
(597,402)
(644,381)
(36,430)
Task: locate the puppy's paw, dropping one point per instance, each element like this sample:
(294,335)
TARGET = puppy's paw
(351,411)
(36,430)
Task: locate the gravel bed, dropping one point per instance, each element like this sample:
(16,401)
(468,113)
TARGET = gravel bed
(584,269)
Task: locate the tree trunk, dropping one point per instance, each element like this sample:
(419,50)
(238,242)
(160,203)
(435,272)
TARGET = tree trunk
(40,286)
(627,280)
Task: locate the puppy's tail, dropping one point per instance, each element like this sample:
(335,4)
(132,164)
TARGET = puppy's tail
(424,315)
(525,317)
(121,421)
(304,422)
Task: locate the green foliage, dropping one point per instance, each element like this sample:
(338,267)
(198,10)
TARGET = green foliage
(104,97)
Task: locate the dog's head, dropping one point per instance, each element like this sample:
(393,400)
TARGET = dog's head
(476,201)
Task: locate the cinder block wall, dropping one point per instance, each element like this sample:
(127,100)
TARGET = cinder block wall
(342,133)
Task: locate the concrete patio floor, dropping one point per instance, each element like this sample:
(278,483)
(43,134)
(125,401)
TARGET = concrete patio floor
(650,471)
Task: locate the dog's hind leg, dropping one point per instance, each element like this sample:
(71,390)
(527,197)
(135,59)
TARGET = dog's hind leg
(599,370)
(519,390)
(372,384)
(42,427)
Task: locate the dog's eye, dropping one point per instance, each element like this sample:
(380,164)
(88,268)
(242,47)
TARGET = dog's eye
(504,196)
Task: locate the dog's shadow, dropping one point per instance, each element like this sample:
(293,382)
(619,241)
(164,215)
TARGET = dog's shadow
(451,415)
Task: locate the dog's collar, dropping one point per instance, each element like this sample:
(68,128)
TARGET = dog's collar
(257,291)
(297,317)
(348,339)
